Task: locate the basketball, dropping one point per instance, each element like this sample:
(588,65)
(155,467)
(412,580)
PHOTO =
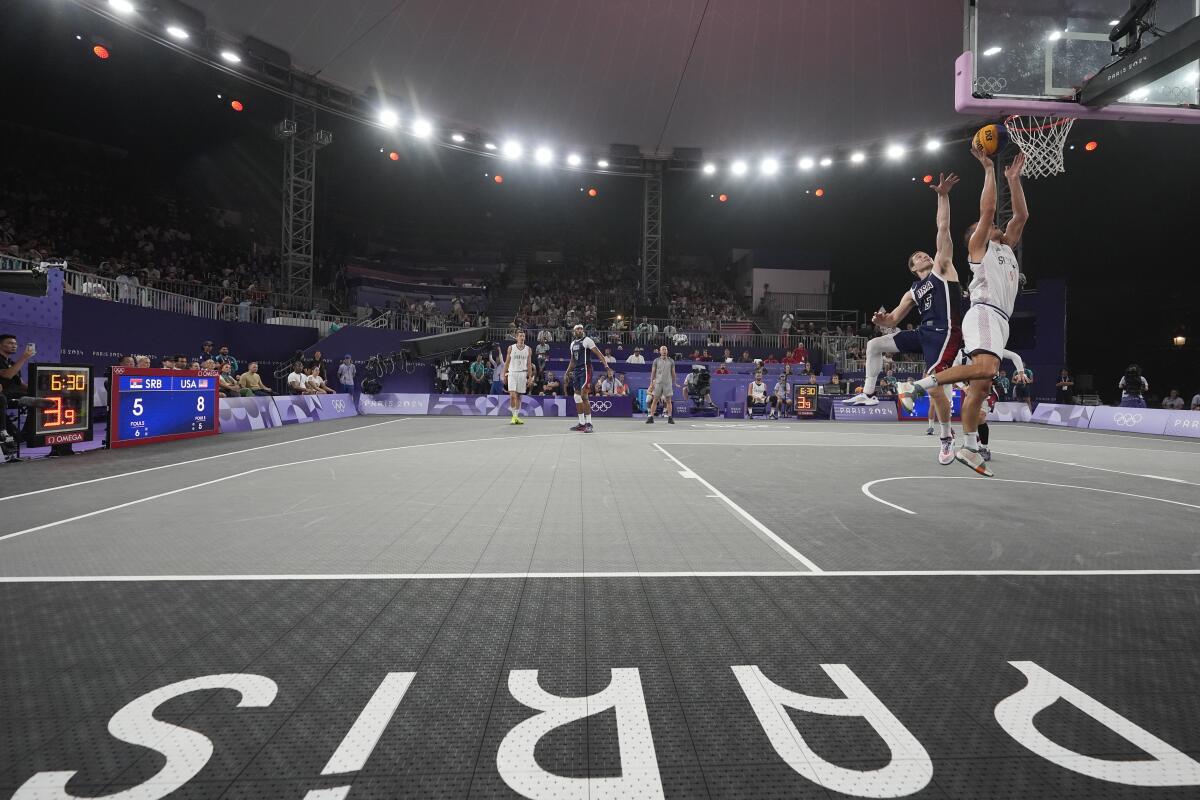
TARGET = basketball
(990,138)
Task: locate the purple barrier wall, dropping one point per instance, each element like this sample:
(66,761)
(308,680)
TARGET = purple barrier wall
(240,414)
(98,332)
(1141,420)
(314,407)
(1010,412)
(1183,423)
(605,406)
(37,319)
(1062,416)
(458,405)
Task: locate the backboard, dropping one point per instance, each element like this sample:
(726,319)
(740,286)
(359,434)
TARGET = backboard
(1032,56)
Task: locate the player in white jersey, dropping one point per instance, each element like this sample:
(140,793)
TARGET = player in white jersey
(994,286)
(516,375)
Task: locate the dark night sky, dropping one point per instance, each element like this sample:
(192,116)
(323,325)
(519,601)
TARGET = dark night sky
(1120,226)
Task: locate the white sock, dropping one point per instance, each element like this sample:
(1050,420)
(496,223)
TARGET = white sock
(945,429)
(587,418)
(927,383)
(971,440)
(581,419)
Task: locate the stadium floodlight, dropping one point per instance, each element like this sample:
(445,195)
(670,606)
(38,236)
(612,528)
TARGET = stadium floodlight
(231,57)
(602,163)
(768,166)
(422,128)
(574,159)
(991,51)
(709,168)
(805,163)
(933,144)
(489,146)
(1054,36)
(894,152)
(458,137)
(738,167)
(512,149)
(543,155)
(177,32)
(387,116)
(123,6)
(826,161)
(858,157)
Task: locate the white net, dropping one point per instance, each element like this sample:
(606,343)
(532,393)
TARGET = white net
(1042,140)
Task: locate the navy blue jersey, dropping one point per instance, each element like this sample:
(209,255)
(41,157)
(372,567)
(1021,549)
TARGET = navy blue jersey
(939,302)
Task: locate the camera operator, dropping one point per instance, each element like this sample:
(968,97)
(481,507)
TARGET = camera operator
(1132,385)
(10,377)
(698,383)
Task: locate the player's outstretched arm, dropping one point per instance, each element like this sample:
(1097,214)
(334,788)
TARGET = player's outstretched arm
(943,259)
(894,317)
(977,246)
(1016,225)
(1018,364)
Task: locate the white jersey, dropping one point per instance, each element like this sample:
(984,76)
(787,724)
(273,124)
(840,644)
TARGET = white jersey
(997,278)
(518,359)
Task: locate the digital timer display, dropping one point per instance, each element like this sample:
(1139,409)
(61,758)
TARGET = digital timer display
(155,405)
(805,395)
(65,416)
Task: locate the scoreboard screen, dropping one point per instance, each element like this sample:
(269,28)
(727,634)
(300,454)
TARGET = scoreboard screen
(805,395)
(66,416)
(921,408)
(158,405)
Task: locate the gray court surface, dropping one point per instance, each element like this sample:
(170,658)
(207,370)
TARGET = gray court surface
(352,609)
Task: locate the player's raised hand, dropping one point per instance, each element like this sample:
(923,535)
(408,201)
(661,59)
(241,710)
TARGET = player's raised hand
(1013,170)
(877,317)
(981,156)
(945,183)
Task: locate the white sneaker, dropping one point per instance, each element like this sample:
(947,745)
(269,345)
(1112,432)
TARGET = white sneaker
(861,399)
(904,394)
(946,453)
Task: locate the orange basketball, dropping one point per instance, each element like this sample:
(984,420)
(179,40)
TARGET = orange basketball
(990,138)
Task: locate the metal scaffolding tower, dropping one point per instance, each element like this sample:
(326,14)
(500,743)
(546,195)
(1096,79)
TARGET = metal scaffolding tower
(301,141)
(652,232)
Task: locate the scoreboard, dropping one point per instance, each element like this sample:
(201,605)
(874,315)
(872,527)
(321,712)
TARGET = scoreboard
(805,396)
(158,405)
(65,416)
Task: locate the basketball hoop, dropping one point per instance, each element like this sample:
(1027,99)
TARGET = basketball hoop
(1042,140)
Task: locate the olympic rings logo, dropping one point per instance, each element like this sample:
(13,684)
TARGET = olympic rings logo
(1127,420)
(602,405)
(339,405)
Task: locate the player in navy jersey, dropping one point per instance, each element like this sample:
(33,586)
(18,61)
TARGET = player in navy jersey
(936,296)
(580,371)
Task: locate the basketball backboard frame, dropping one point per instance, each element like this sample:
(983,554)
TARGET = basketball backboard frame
(1044,45)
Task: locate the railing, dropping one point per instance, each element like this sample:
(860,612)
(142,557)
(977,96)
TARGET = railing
(775,303)
(99,288)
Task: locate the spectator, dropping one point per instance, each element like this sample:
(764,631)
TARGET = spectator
(541,353)
(226,383)
(10,376)
(318,361)
(636,357)
(346,372)
(1023,389)
(1003,385)
(620,387)
(781,397)
(496,362)
(168,363)
(206,352)
(551,385)
(314,383)
(224,357)
(786,327)
(1064,389)
(297,381)
(722,370)
(478,371)
(745,358)
(607,384)
(142,362)
(770,359)
(182,361)
(209,364)
(835,385)
(887,384)
(1173,401)
(727,358)
(251,382)
(92,287)
(194,365)
(1196,402)
(1133,385)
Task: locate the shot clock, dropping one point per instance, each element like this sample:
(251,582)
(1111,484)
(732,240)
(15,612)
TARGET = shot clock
(158,405)
(66,415)
(805,395)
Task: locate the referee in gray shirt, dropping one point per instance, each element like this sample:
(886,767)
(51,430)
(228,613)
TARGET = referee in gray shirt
(662,384)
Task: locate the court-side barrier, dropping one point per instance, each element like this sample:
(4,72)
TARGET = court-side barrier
(238,414)
(460,405)
(1154,421)
(1010,411)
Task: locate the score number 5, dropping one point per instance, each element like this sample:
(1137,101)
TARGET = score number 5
(138,409)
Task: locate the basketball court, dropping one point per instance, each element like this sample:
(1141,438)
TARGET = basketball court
(457,553)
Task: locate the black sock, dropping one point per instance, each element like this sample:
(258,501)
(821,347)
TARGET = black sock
(983,434)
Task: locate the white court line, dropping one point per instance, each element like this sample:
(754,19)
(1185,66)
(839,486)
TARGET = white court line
(1101,469)
(866,488)
(763,529)
(139,501)
(198,460)
(493,576)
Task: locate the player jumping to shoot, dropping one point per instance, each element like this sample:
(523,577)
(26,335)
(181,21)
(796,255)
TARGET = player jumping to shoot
(936,296)
(994,286)
(580,370)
